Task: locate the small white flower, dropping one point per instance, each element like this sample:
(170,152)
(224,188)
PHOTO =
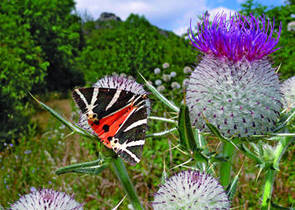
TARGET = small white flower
(291,26)
(46,199)
(191,190)
(175,85)
(161,88)
(157,70)
(187,70)
(173,74)
(166,77)
(165,65)
(158,82)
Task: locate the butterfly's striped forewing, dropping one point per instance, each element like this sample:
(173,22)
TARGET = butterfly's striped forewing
(118,117)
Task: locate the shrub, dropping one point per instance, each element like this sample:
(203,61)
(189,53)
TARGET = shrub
(130,46)
(21,67)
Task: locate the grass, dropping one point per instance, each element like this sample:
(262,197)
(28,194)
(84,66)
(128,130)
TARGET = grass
(33,163)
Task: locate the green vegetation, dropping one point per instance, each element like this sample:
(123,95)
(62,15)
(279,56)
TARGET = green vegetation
(130,47)
(21,67)
(45,47)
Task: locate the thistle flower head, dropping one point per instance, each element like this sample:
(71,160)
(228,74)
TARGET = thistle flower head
(187,70)
(166,65)
(234,87)
(288,90)
(161,88)
(119,82)
(191,190)
(166,77)
(173,74)
(158,82)
(46,199)
(157,70)
(236,38)
(175,85)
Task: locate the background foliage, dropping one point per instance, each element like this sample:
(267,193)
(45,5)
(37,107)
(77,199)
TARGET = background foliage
(21,67)
(130,47)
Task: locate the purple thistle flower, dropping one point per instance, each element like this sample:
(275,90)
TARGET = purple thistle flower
(235,87)
(46,199)
(237,38)
(191,190)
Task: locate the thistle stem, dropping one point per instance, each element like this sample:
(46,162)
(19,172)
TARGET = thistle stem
(271,173)
(124,179)
(225,168)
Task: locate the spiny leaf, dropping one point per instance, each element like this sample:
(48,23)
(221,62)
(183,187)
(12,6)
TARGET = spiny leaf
(64,121)
(159,95)
(186,134)
(231,189)
(250,154)
(163,133)
(93,167)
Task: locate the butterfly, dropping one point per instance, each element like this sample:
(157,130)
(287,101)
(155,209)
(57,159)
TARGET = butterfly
(118,117)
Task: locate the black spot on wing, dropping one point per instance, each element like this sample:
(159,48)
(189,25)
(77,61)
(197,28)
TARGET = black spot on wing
(106,128)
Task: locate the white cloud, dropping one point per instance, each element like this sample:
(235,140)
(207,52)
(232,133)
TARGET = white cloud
(183,27)
(171,15)
(181,30)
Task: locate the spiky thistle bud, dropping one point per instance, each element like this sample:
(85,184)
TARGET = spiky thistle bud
(191,190)
(46,199)
(288,90)
(234,87)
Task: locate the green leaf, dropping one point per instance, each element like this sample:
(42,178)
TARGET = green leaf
(71,126)
(201,142)
(250,154)
(186,134)
(93,167)
(164,176)
(122,174)
(232,188)
(215,131)
(160,96)
(163,133)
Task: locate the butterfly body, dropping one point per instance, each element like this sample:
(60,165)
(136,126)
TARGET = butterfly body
(118,117)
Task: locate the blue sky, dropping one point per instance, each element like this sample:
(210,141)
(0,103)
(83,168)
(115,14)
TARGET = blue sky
(172,15)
